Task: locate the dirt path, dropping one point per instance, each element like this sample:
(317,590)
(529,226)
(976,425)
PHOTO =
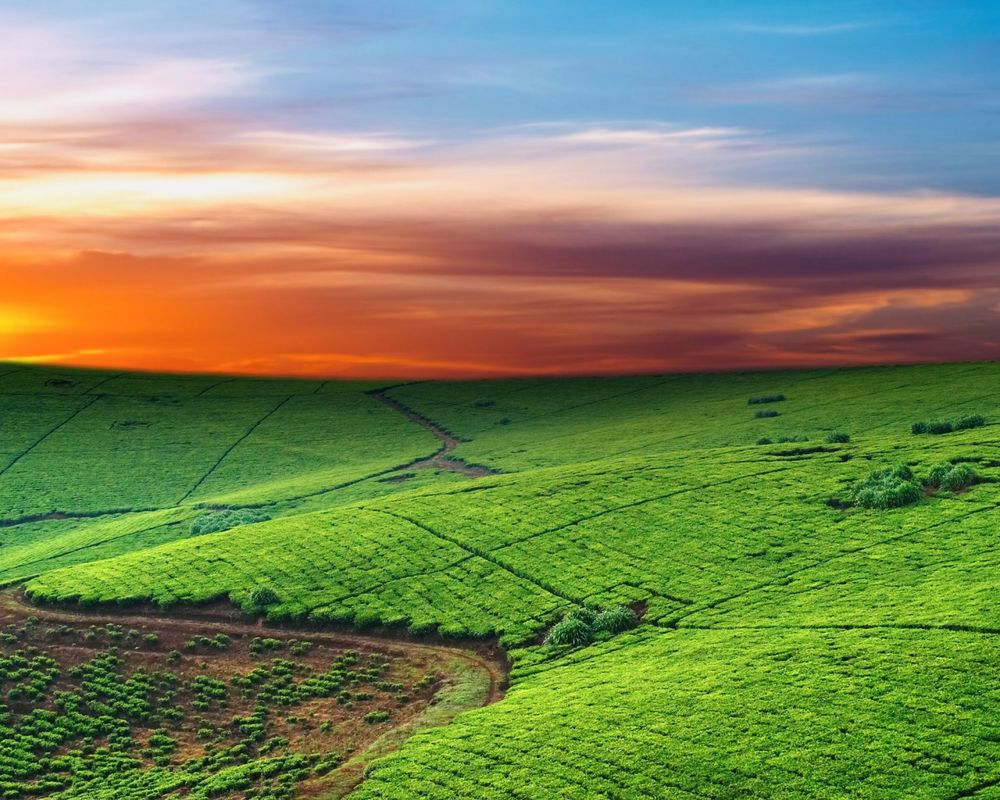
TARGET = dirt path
(440,460)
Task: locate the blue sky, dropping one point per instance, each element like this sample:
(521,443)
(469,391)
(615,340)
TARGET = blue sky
(883,95)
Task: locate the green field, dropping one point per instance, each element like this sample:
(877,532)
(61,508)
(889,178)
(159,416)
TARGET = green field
(792,642)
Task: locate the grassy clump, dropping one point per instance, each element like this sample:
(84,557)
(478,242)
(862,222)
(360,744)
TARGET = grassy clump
(581,625)
(952,477)
(947,425)
(838,438)
(935,427)
(224,520)
(615,620)
(765,413)
(573,632)
(765,398)
(260,598)
(887,488)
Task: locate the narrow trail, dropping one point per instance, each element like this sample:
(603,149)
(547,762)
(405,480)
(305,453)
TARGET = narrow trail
(439,460)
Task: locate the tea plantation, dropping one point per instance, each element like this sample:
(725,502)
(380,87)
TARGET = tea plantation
(815,589)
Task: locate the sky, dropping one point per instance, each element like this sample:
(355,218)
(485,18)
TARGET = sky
(464,188)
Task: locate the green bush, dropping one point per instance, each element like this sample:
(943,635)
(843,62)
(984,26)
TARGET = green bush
(616,620)
(936,427)
(887,488)
(574,632)
(838,438)
(765,413)
(952,477)
(586,615)
(765,440)
(261,597)
(975,421)
(765,398)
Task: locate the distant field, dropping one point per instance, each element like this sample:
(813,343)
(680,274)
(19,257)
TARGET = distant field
(792,643)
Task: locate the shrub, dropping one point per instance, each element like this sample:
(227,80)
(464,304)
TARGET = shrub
(887,488)
(615,620)
(936,427)
(975,421)
(764,440)
(373,717)
(952,477)
(262,596)
(765,398)
(570,631)
(838,438)
(765,413)
(584,614)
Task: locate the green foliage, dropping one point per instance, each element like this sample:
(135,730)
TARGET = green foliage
(765,413)
(838,438)
(579,626)
(224,520)
(887,488)
(570,631)
(952,477)
(614,491)
(765,398)
(935,427)
(615,620)
(974,421)
(261,597)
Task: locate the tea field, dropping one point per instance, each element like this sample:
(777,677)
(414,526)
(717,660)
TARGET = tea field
(812,557)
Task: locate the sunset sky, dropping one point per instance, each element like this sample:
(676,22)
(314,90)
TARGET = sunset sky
(494,187)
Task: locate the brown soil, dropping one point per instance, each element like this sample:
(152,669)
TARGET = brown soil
(183,622)
(75,635)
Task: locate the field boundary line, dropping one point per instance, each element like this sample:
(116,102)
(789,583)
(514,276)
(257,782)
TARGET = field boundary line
(486,555)
(24,578)
(949,627)
(673,622)
(975,789)
(51,431)
(101,383)
(636,503)
(232,447)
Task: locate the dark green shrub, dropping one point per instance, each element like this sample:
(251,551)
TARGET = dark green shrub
(765,413)
(887,488)
(616,620)
(975,421)
(838,438)
(261,597)
(952,477)
(765,398)
(764,440)
(574,632)
(936,427)
(373,717)
(584,614)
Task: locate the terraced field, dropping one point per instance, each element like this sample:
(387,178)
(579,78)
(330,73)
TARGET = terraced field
(792,642)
